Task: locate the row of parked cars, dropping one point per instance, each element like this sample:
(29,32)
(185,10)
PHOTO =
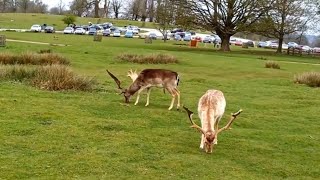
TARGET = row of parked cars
(105,29)
(275,44)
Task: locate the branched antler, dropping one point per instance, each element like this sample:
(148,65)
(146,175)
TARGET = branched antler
(115,79)
(194,125)
(233,117)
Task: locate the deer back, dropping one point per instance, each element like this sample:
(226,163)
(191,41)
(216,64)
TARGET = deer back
(157,77)
(211,107)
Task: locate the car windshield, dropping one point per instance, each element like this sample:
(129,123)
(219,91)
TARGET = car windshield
(68,28)
(92,29)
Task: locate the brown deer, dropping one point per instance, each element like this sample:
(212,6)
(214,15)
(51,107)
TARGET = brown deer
(152,78)
(211,108)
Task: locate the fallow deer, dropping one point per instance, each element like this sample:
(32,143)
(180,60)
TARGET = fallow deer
(152,78)
(211,108)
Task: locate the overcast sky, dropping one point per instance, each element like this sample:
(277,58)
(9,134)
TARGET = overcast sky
(54,3)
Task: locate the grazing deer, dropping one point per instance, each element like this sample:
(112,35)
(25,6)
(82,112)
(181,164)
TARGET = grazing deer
(211,108)
(151,78)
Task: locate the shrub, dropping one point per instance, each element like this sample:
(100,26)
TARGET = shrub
(56,78)
(69,19)
(148,59)
(272,64)
(16,72)
(50,77)
(42,51)
(33,59)
(311,79)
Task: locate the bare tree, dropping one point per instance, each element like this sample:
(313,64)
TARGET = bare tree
(116,6)
(106,8)
(227,17)
(61,6)
(286,17)
(79,7)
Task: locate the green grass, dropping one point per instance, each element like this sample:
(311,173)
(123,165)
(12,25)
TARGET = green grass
(26,20)
(90,135)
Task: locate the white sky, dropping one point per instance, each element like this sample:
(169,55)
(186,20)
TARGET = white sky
(54,3)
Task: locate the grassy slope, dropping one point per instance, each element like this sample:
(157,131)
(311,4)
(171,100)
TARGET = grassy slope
(26,20)
(90,135)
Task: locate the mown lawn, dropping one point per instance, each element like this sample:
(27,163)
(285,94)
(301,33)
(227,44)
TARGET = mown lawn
(26,20)
(91,135)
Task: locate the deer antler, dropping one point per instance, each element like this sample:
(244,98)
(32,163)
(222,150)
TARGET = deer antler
(233,117)
(115,79)
(194,125)
(132,74)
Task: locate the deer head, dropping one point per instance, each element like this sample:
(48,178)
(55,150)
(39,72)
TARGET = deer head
(210,135)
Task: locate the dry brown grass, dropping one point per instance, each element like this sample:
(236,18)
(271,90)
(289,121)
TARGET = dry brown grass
(272,64)
(33,58)
(311,79)
(148,59)
(49,77)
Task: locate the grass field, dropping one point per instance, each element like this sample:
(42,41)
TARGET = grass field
(26,20)
(90,135)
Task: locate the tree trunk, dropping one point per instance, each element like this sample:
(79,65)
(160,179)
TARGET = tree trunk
(279,49)
(225,44)
(96,8)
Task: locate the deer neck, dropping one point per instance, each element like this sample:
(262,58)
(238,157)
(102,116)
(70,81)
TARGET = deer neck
(134,87)
(208,120)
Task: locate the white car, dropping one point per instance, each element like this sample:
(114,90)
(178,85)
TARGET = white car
(35,28)
(117,33)
(80,31)
(68,30)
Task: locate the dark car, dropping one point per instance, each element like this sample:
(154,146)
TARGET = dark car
(175,30)
(49,29)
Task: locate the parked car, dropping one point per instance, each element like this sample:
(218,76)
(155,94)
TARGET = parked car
(292,44)
(128,34)
(232,41)
(238,43)
(306,48)
(117,33)
(153,35)
(262,44)
(285,46)
(35,28)
(68,30)
(274,45)
(316,50)
(49,29)
(250,43)
(92,31)
(187,37)
(207,39)
(177,37)
(176,30)
(80,31)
(106,32)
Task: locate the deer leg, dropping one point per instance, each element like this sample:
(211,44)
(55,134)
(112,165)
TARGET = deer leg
(148,95)
(178,94)
(138,96)
(173,98)
(216,128)
(202,141)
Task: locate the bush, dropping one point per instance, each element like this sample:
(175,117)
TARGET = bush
(33,59)
(50,77)
(16,72)
(311,79)
(148,59)
(272,64)
(56,78)
(69,19)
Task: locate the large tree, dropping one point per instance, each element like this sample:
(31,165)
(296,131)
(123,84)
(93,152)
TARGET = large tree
(286,17)
(227,17)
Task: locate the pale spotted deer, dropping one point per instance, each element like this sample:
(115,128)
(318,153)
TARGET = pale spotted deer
(211,108)
(148,78)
